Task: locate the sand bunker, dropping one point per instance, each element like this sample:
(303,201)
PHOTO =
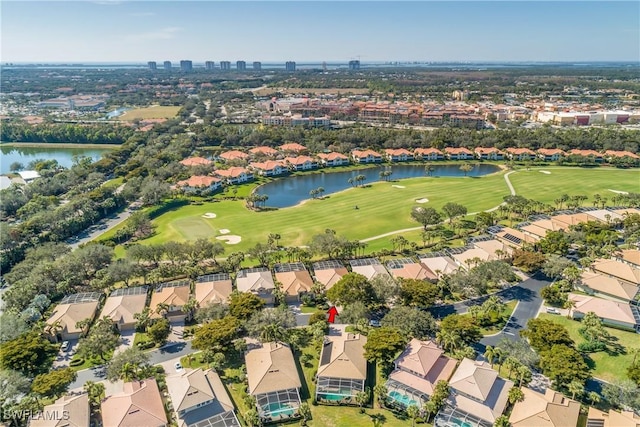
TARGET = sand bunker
(224,231)
(618,191)
(398,186)
(230,239)
(545,172)
(422,200)
(209,215)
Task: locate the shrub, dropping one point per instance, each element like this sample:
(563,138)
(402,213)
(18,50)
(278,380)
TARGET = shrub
(591,346)
(76,362)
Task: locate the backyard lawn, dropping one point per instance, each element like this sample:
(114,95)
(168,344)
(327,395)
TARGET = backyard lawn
(606,366)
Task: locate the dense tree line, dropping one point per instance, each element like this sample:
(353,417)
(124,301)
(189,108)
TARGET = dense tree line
(19,131)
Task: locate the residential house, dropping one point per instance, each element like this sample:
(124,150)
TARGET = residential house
(234,155)
(139,404)
(342,369)
(497,249)
(550,154)
(169,299)
(295,280)
(366,156)
(617,269)
(538,229)
(488,153)
(398,155)
(328,272)
(333,159)
(293,147)
(604,215)
(592,155)
(273,381)
(606,286)
(235,175)
(440,263)
(123,304)
(301,163)
(200,399)
(548,409)
(257,281)
(408,268)
(264,151)
(470,256)
(369,268)
(213,289)
(628,256)
(62,325)
(71,410)
(597,418)
(613,154)
(520,154)
(416,372)
(430,154)
(477,397)
(613,313)
(565,221)
(200,182)
(458,153)
(269,168)
(195,161)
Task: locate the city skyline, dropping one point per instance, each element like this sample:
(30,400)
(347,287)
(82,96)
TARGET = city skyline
(141,31)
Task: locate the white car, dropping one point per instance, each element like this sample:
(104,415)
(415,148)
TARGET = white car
(178,366)
(64,346)
(551,310)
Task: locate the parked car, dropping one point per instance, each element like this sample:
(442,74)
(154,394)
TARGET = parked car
(178,366)
(551,310)
(64,346)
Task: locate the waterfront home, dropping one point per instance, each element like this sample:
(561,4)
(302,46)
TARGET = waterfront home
(369,268)
(169,298)
(233,155)
(269,168)
(295,280)
(301,163)
(398,155)
(520,154)
(488,153)
(200,399)
(213,289)
(458,153)
(234,175)
(551,154)
(122,306)
(613,154)
(258,281)
(416,372)
(264,151)
(195,161)
(592,155)
(273,381)
(616,314)
(366,156)
(342,369)
(293,147)
(428,154)
(477,396)
(328,272)
(70,410)
(548,409)
(613,418)
(200,182)
(408,268)
(65,322)
(138,404)
(333,159)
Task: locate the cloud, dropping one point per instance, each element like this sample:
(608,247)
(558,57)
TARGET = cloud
(161,34)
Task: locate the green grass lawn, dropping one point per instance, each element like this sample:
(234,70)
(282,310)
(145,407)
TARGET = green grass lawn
(497,327)
(152,112)
(605,366)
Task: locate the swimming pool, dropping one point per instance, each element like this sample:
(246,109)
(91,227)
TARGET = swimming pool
(402,399)
(278,409)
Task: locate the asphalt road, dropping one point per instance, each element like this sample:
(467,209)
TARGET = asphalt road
(109,222)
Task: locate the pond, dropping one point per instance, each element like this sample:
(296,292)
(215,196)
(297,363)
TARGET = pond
(64,155)
(290,191)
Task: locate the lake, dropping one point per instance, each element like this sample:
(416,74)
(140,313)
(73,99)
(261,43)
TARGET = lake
(64,155)
(290,191)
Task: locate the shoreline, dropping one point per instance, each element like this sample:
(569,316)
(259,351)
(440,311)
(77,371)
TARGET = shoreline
(57,145)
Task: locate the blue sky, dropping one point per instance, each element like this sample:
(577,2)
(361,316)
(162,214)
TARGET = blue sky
(138,31)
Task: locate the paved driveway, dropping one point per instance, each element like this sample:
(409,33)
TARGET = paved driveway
(126,340)
(64,357)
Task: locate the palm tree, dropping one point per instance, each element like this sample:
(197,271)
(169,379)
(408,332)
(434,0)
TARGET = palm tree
(252,418)
(412,412)
(362,398)
(502,421)
(499,356)
(273,332)
(466,168)
(305,412)
(575,387)
(430,408)
(490,354)
(515,395)
(95,392)
(428,168)
(320,191)
(511,363)
(449,340)
(162,308)
(351,181)
(523,371)
(190,306)
(313,193)
(593,397)
(54,329)
(380,390)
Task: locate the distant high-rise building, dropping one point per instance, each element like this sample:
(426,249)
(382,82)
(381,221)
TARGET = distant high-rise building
(152,65)
(354,65)
(167,65)
(257,65)
(290,66)
(225,65)
(209,65)
(324,66)
(241,65)
(186,65)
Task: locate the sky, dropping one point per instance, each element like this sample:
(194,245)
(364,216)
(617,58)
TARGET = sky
(277,31)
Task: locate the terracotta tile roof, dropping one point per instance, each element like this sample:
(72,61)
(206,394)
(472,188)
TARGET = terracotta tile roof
(608,285)
(614,153)
(195,161)
(617,269)
(214,292)
(299,160)
(234,155)
(139,404)
(268,165)
(551,151)
(267,151)
(122,308)
(518,151)
(585,153)
(232,172)
(271,367)
(295,282)
(550,409)
(68,411)
(68,315)
(342,356)
(457,150)
(603,308)
(427,151)
(486,150)
(614,418)
(293,146)
(332,156)
(365,153)
(198,181)
(397,152)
